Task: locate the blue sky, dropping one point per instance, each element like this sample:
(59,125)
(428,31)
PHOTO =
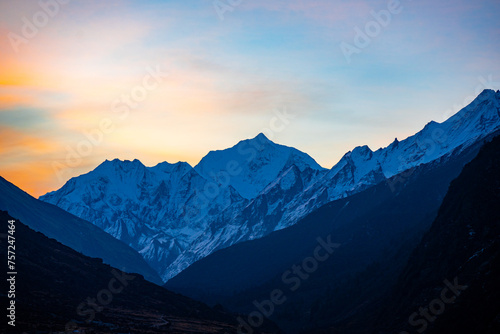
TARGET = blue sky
(228,75)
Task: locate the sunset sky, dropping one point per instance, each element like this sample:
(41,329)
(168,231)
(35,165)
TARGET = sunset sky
(223,73)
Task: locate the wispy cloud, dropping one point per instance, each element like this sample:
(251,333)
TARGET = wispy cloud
(225,78)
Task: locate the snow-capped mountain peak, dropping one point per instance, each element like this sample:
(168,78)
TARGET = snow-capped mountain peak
(179,167)
(361,152)
(262,139)
(252,164)
(478,119)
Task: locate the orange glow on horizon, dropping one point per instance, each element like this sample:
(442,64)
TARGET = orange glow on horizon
(33,178)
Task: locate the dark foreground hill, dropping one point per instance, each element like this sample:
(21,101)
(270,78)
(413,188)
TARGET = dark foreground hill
(376,231)
(58,290)
(462,248)
(72,231)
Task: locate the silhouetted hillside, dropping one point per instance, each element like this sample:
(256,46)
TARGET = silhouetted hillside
(57,287)
(377,230)
(72,231)
(463,244)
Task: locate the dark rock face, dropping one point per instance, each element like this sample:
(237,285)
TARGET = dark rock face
(463,245)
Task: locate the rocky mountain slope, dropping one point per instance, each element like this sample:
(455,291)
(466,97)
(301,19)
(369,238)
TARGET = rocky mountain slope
(72,231)
(462,248)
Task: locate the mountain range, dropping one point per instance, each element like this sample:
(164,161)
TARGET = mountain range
(370,236)
(268,238)
(175,214)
